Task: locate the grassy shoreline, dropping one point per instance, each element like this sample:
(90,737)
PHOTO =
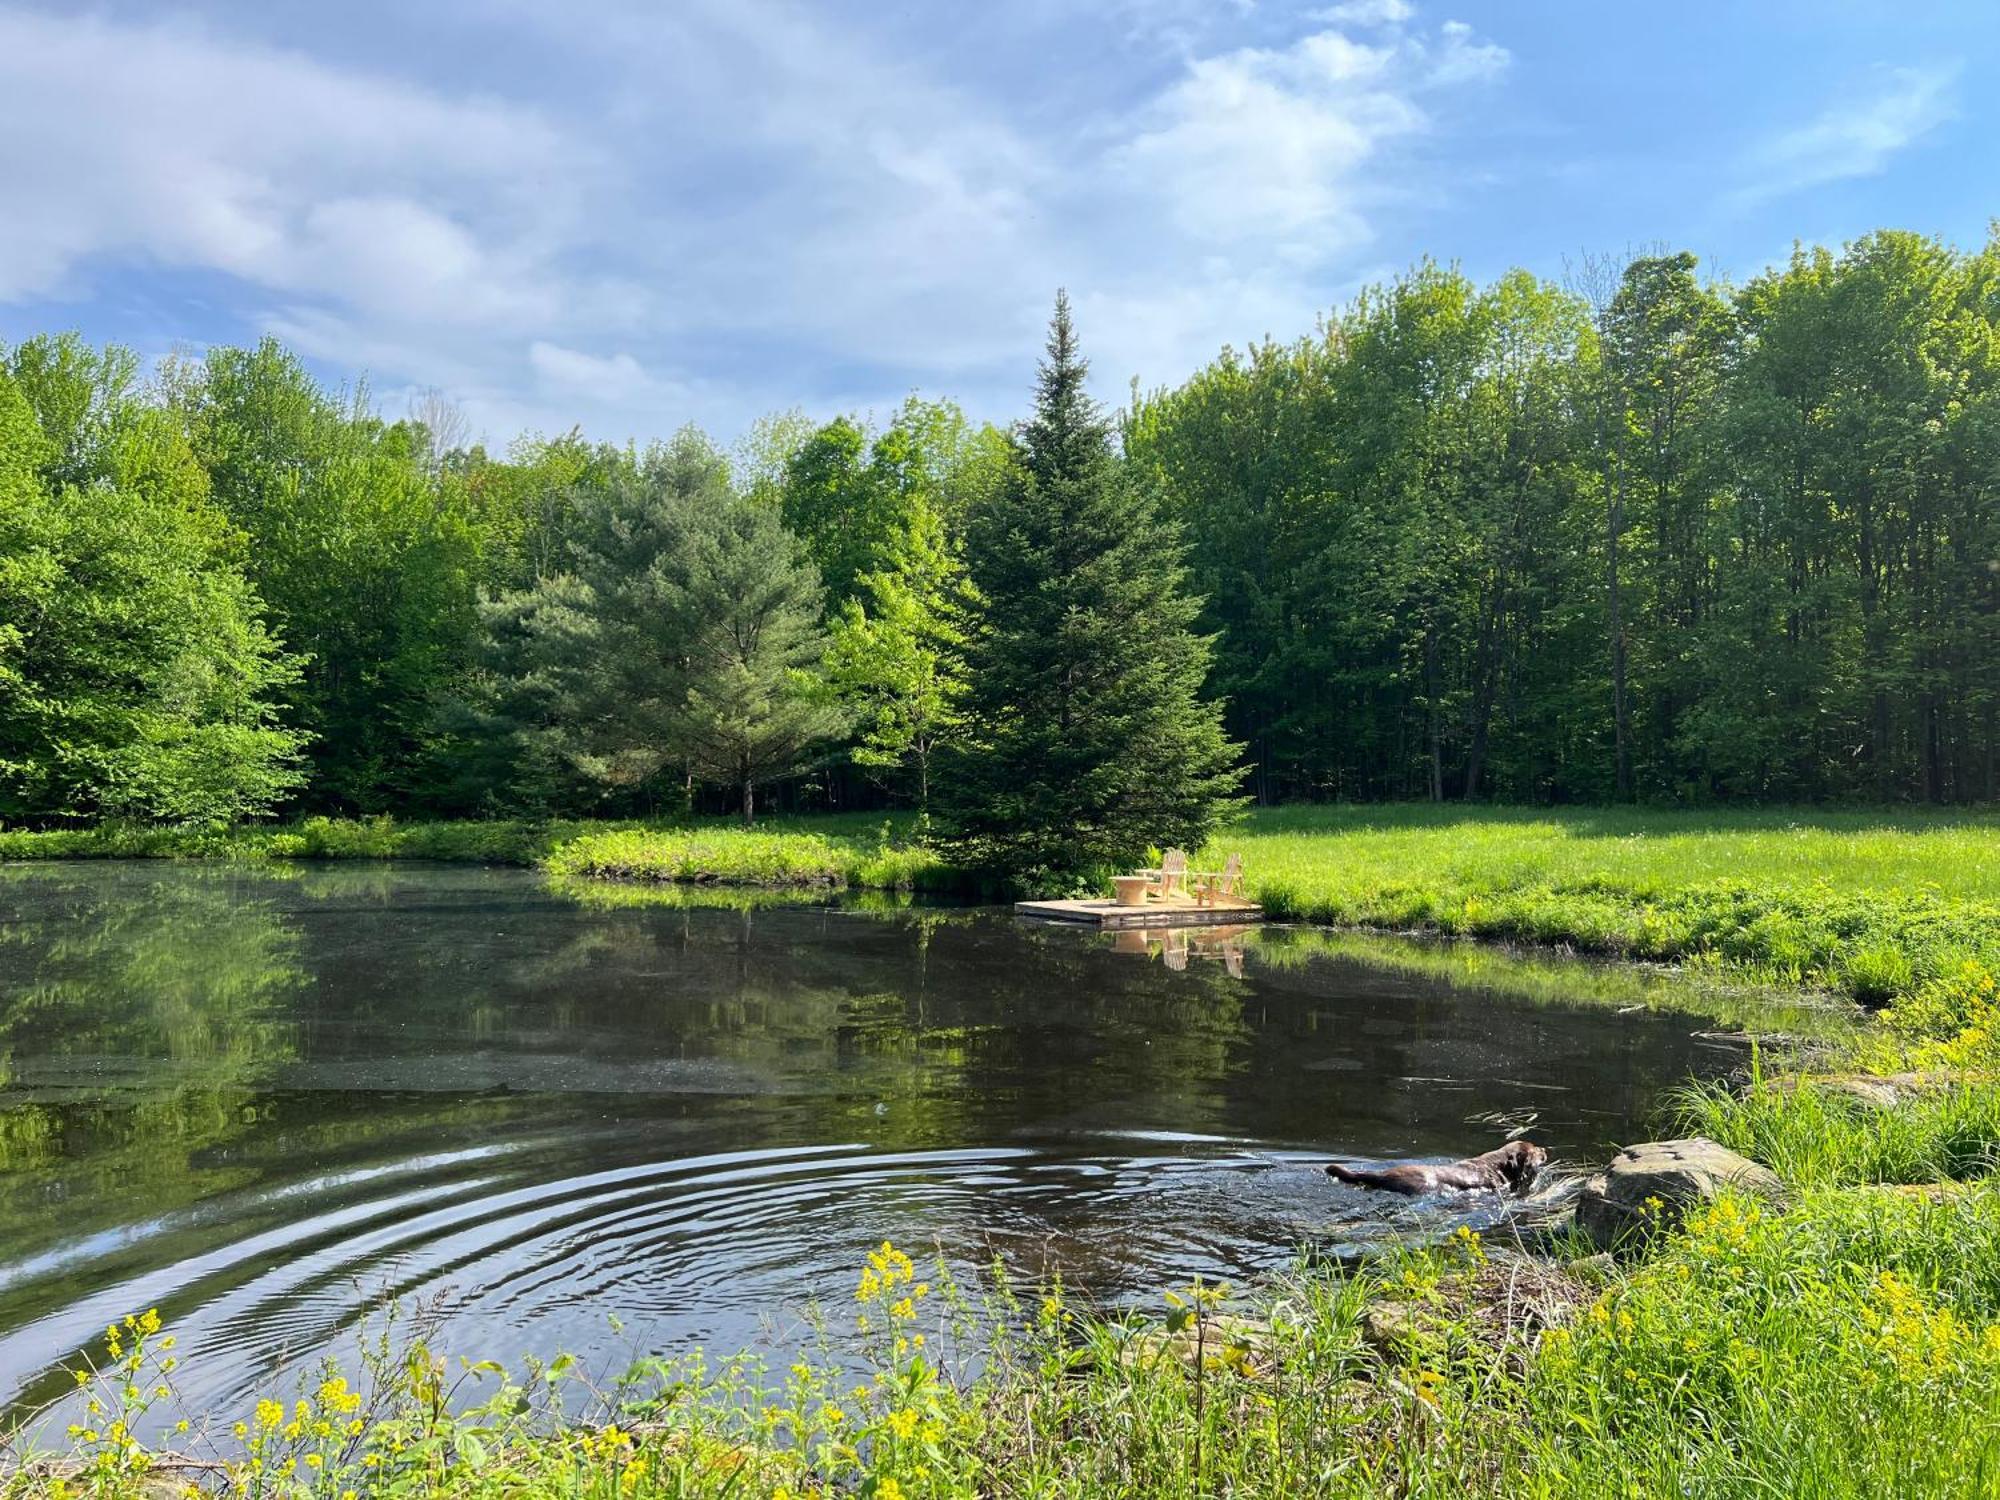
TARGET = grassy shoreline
(1871,905)
(1844,1344)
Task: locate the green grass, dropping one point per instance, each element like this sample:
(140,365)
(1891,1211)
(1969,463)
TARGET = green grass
(1816,1136)
(503,841)
(872,852)
(1873,905)
(769,856)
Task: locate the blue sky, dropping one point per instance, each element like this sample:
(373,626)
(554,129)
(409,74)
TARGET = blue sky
(636,213)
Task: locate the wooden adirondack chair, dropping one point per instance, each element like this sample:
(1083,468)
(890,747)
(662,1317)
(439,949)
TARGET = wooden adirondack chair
(1226,884)
(1167,881)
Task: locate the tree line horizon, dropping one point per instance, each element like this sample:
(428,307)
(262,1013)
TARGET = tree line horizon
(1639,536)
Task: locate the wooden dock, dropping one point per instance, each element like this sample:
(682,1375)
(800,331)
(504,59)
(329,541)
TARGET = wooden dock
(1107,913)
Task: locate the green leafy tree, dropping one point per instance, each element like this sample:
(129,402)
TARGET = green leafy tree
(1090,739)
(853,500)
(368,562)
(898,654)
(1665,343)
(1850,648)
(832,502)
(137,676)
(1243,454)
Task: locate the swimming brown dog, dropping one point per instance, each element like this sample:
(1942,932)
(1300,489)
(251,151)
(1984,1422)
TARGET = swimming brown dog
(1508,1169)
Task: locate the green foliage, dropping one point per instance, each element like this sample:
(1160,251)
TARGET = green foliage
(1090,739)
(1648,537)
(855,502)
(137,676)
(898,653)
(754,703)
(1816,1135)
(771,856)
(836,507)
(1391,525)
(1953,1020)
(850,850)
(1840,1349)
(1669,542)
(367,562)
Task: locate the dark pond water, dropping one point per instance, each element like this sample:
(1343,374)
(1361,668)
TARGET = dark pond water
(260,1100)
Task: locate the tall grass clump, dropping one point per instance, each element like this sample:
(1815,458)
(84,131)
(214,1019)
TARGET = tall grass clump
(1912,1098)
(1846,1348)
(1818,1134)
(737,856)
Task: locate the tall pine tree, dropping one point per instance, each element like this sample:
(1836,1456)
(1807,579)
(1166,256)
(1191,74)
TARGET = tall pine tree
(687,637)
(1090,739)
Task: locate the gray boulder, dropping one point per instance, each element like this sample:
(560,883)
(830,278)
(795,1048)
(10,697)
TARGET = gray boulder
(1648,1188)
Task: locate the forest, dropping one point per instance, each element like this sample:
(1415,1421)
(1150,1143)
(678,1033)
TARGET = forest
(1638,536)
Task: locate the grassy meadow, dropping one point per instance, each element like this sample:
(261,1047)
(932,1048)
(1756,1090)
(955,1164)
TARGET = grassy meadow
(1869,904)
(851,849)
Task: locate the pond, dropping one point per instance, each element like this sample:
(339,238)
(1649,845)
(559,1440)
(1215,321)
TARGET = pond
(263,1098)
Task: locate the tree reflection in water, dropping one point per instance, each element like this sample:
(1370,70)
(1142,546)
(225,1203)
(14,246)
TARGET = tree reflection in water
(257,1095)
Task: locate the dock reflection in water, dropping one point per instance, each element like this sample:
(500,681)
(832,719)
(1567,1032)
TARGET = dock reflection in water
(1174,946)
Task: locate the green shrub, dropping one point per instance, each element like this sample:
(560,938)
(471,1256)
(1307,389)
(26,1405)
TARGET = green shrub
(1878,973)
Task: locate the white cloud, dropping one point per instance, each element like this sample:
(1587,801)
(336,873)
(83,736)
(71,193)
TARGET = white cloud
(169,144)
(617,380)
(1858,136)
(1278,145)
(1461,57)
(719,207)
(1367,13)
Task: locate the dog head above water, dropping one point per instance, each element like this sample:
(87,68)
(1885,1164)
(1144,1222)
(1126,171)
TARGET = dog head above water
(1519,1161)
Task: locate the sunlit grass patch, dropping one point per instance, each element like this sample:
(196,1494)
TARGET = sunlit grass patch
(1544,978)
(1848,1347)
(1873,905)
(758,856)
(1813,1134)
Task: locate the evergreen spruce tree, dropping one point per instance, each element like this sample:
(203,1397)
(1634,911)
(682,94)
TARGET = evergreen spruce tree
(1090,739)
